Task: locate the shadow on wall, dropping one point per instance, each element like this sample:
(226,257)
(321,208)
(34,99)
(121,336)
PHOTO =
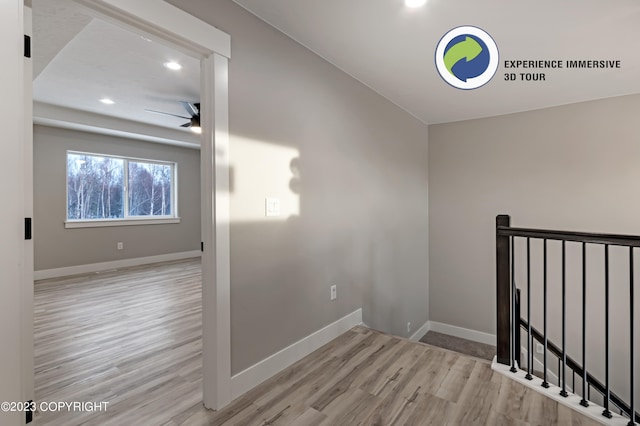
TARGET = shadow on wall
(332,227)
(263,170)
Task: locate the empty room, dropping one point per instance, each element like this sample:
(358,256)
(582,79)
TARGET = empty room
(250,212)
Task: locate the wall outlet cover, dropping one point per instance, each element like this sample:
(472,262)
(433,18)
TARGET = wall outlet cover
(271,207)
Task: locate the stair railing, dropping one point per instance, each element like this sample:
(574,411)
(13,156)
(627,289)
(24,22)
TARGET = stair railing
(510,322)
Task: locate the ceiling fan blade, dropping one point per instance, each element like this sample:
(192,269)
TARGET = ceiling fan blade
(191,108)
(166,113)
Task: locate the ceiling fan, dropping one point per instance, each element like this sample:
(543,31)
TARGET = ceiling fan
(193,109)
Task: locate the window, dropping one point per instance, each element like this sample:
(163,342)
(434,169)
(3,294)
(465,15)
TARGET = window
(113,190)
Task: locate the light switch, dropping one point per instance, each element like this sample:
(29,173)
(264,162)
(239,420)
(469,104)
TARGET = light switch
(272,207)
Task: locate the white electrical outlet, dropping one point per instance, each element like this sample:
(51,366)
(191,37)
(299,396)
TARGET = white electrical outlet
(539,348)
(120,246)
(334,292)
(409,327)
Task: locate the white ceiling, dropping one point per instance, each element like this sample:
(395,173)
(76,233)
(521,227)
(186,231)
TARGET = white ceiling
(391,48)
(79,60)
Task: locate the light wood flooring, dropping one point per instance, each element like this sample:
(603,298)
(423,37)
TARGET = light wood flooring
(133,338)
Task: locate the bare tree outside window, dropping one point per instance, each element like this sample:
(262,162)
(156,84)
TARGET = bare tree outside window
(96,188)
(149,189)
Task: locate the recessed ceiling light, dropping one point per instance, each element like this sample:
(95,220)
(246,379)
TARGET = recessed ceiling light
(173,65)
(415,3)
(107,101)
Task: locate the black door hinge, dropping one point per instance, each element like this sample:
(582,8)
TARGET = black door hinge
(27,228)
(202,246)
(27,46)
(29,412)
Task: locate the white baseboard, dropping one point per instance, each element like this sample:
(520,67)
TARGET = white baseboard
(116,264)
(593,411)
(420,332)
(464,333)
(269,367)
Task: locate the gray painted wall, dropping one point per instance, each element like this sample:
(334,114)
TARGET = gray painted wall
(57,247)
(354,197)
(573,167)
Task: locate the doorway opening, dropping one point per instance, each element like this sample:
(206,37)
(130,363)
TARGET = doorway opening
(148,23)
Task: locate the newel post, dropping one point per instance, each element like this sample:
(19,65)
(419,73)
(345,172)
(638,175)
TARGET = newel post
(503,292)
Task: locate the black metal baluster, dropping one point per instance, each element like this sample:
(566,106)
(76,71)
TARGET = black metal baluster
(607,395)
(532,352)
(517,342)
(545,383)
(559,368)
(529,354)
(515,321)
(584,402)
(631,339)
(563,392)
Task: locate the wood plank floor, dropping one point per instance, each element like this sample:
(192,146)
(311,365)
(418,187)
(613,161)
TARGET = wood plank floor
(133,338)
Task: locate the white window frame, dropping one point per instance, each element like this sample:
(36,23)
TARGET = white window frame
(127,220)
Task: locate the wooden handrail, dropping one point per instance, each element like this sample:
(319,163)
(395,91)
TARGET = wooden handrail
(503,292)
(581,237)
(509,320)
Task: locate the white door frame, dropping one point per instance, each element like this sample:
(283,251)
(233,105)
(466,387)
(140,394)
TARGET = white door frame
(170,25)
(12,192)
(28,392)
